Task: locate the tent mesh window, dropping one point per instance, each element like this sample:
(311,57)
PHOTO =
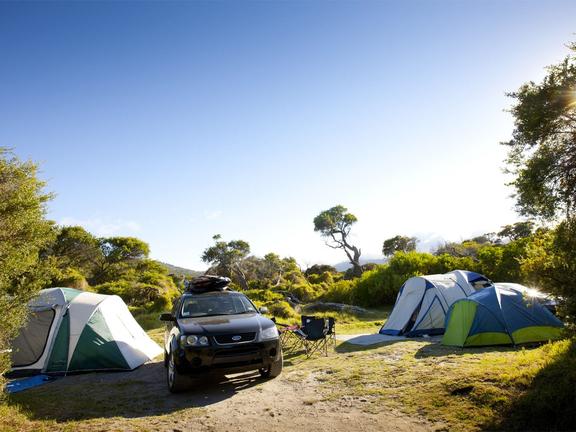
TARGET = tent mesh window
(30,344)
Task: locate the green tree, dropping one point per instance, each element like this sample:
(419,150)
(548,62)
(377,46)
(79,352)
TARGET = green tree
(550,263)
(226,258)
(542,157)
(118,255)
(122,249)
(318,269)
(77,248)
(334,225)
(517,231)
(398,244)
(24,232)
(542,152)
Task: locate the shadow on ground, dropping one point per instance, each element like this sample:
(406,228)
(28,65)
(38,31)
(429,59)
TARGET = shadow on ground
(436,349)
(139,393)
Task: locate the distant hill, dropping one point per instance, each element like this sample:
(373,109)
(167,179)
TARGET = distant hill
(181,270)
(345,265)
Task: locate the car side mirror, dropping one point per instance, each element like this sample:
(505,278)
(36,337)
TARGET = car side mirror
(264,310)
(167,317)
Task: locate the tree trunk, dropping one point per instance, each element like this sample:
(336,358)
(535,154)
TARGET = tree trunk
(354,259)
(241,278)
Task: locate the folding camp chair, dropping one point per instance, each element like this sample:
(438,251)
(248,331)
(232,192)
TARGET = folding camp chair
(313,335)
(288,339)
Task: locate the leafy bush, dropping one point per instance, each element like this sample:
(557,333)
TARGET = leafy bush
(340,292)
(152,291)
(263,295)
(70,278)
(326,277)
(24,234)
(282,309)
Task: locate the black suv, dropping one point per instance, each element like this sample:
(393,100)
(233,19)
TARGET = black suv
(218,331)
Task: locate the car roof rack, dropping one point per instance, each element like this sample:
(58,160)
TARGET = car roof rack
(207,283)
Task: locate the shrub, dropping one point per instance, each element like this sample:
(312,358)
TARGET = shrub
(340,292)
(71,278)
(282,309)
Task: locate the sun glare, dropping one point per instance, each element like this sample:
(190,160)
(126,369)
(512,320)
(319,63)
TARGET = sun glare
(572,98)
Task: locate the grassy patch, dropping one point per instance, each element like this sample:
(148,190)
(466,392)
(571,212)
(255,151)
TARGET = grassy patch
(147,320)
(347,323)
(493,388)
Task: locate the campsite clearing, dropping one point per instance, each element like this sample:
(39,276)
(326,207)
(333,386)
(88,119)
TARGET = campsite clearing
(405,385)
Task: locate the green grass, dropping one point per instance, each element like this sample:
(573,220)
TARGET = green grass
(492,388)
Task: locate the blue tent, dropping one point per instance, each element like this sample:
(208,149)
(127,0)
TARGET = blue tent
(499,316)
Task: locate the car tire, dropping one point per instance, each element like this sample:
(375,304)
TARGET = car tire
(274,369)
(165,359)
(176,381)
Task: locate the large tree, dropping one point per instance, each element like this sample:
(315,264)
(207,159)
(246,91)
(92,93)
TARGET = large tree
(226,258)
(542,152)
(24,232)
(334,225)
(398,243)
(542,157)
(517,230)
(77,248)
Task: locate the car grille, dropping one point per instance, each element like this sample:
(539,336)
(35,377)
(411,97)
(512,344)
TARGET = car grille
(233,338)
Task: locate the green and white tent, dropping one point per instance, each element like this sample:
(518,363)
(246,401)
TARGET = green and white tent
(72,331)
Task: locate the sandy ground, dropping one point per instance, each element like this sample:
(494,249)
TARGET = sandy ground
(139,400)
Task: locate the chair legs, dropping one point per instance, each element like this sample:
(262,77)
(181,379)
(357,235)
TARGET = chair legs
(317,345)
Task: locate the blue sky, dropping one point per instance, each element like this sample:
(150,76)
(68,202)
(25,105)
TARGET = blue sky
(174,121)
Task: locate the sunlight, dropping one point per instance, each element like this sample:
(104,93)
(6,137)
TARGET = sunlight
(572,98)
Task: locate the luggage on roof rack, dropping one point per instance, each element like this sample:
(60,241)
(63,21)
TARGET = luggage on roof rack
(207,283)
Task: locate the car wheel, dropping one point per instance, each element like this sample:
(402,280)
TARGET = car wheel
(274,369)
(176,381)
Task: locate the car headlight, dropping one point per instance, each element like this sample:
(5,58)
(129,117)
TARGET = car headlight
(269,333)
(193,340)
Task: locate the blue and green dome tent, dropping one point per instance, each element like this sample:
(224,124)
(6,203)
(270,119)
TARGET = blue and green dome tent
(499,316)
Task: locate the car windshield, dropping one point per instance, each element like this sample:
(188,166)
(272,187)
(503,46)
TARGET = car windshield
(198,306)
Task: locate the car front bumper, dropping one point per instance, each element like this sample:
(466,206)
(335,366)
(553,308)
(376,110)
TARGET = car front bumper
(227,358)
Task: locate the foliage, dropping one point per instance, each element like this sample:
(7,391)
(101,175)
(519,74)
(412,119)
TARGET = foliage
(468,248)
(74,247)
(398,244)
(334,225)
(226,258)
(24,232)
(517,230)
(318,269)
(550,263)
(542,152)
(542,157)
(282,309)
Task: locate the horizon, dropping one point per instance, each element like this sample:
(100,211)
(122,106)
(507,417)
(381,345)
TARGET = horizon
(173,122)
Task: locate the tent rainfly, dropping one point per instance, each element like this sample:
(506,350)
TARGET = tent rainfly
(499,316)
(71,331)
(423,301)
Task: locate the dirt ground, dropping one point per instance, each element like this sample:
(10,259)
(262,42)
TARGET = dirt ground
(139,400)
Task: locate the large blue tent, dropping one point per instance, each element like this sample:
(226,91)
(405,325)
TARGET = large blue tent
(499,316)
